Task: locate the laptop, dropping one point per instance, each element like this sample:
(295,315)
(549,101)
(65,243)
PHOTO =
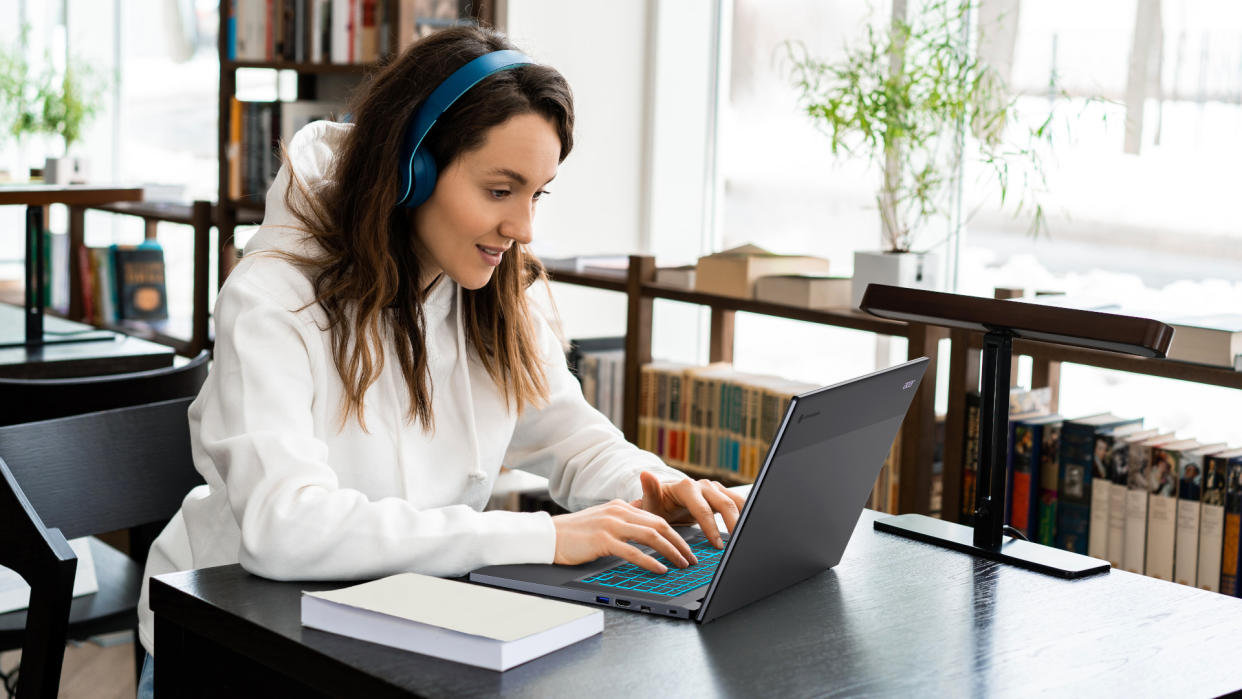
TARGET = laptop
(796,522)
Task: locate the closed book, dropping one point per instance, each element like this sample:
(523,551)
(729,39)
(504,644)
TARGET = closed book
(1212,521)
(1049,474)
(1230,575)
(1215,339)
(1118,457)
(1075,475)
(1103,475)
(805,291)
(141,293)
(1024,489)
(457,621)
(734,272)
(1138,471)
(1162,507)
(1189,514)
(970,457)
(676,277)
(1014,488)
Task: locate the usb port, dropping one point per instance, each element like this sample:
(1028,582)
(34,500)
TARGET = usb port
(645,608)
(602,600)
(623,603)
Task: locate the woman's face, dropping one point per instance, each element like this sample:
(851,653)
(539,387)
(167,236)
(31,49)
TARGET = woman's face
(484,201)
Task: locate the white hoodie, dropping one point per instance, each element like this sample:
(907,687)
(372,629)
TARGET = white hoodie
(290,494)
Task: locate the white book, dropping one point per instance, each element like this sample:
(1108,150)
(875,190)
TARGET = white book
(465,623)
(1162,508)
(340,32)
(1212,522)
(1103,446)
(1189,514)
(315,52)
(15,593)
(1134,541)
(1119,459)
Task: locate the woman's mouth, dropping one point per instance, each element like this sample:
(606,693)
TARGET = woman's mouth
(491,255)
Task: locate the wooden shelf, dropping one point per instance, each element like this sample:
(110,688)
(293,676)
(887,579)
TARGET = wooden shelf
(637,283)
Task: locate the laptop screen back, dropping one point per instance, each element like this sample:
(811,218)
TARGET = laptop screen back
(812,488)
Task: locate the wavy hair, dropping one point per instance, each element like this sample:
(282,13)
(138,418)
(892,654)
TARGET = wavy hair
(366,277)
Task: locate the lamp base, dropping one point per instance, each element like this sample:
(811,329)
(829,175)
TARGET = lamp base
(1036,557)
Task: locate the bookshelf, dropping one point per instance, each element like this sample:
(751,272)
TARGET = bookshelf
(638,284)
(230,212)
(1046,372)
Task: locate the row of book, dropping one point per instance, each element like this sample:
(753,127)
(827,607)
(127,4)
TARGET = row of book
(709,420)
(1141,498)
(256,130)
(310,31)
(122,283)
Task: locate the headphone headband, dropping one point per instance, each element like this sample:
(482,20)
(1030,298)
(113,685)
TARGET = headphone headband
(417,167)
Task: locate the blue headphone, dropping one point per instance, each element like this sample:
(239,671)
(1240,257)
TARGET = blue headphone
(417,168)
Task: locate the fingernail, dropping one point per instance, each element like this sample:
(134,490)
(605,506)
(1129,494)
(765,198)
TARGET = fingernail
(663,570)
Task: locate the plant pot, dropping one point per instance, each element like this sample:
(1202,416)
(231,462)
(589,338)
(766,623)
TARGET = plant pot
(916,270)
(66,170)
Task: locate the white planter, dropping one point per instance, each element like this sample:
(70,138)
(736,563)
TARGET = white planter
(916,270)
(67,170)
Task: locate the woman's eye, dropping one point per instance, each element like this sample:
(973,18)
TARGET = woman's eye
(541,194)
(498,193)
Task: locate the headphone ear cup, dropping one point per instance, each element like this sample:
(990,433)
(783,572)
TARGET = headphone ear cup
(423,167)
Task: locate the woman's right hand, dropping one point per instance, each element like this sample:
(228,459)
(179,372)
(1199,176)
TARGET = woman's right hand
(608,529)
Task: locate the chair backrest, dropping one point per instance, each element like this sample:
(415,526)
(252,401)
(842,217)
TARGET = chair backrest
(28,400)
(42,557)
(104,471)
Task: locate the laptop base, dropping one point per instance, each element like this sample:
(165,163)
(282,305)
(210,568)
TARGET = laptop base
(1025,554)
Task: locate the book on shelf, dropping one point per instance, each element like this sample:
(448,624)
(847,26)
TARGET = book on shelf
(1215,339)
(1049,483)
(1075,473)
(681,277)
(1230,575)
(1106,460)
(587,264)
(141,292)
(804,291)
(1212,522)
(1117,455)
(1162,506)
(470,624)
(1138,489)
(1024,485)
(1012,481)
(734,272)
(1023,403)
(1189,514)
(311,31)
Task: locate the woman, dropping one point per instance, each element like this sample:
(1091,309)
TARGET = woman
(377,363)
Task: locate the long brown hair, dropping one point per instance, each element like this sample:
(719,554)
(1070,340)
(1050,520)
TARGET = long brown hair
(367,277)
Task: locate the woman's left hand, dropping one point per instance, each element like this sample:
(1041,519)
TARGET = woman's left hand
(692,502)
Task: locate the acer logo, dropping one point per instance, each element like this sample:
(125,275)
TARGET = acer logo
(807,416)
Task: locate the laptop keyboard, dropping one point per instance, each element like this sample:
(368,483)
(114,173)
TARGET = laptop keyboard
(675,582)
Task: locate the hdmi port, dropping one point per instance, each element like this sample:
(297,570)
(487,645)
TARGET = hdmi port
(623,603)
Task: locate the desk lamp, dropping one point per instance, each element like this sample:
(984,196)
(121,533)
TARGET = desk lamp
(1001,322)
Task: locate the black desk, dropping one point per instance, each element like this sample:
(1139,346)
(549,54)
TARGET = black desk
(108,353)
(895,618)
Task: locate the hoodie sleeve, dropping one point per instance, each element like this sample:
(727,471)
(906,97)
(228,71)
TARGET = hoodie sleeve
(257,439)
(586,459)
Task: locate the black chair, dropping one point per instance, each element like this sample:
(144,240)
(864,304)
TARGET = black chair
(27,400)
(84,475)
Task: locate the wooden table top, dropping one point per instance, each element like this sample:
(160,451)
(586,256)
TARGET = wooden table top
(895,618)
(38,194)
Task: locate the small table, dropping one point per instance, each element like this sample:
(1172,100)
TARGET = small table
(895,618)
(35,197)
(94,352)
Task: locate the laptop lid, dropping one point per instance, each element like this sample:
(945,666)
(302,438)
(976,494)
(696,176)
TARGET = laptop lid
(811,489)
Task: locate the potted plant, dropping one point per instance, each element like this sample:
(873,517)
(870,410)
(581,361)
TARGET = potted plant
(21,97)
(66,111)
(899,98)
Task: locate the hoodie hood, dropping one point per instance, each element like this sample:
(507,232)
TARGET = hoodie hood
(311,151)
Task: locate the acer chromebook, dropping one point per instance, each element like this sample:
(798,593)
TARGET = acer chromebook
(796,522)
